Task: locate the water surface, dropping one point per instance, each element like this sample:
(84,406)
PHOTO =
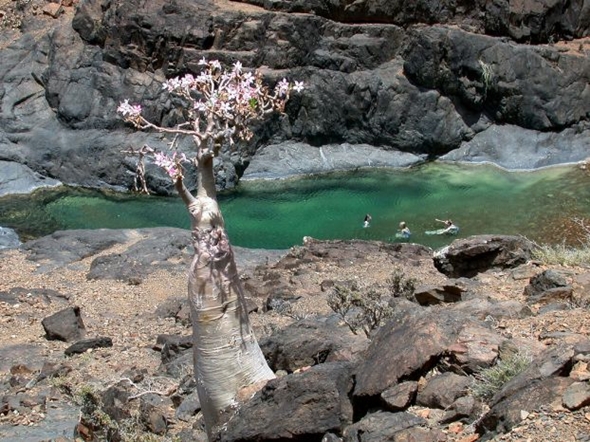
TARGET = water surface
(278,214)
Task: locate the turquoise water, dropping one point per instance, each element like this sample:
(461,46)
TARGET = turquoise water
(278,214)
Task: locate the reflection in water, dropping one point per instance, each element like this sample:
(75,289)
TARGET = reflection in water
(277,214)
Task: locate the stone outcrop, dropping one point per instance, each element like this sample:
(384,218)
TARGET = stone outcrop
(469,256)
(425,79)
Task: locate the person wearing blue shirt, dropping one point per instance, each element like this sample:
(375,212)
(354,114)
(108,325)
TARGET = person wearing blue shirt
(404,231)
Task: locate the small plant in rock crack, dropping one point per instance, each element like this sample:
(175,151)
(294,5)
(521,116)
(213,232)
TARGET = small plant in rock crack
(364,310)
(489,381)
(94,421)
(401,286)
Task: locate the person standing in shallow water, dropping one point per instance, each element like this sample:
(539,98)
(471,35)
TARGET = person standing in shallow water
(404,231)
(367,221)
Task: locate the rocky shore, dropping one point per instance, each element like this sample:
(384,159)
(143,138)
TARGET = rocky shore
(95,341)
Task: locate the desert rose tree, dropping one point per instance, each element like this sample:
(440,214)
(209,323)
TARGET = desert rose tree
(219,107)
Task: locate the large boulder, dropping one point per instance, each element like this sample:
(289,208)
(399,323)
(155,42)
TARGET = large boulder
(543,383)
(469,256)
(297,407)
(398,351)
(310,342)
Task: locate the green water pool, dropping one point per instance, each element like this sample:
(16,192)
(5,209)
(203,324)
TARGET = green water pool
(278,214)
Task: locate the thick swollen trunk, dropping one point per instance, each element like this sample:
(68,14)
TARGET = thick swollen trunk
(226,354)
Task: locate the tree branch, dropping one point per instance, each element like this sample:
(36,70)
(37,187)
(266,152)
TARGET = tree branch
(185,194)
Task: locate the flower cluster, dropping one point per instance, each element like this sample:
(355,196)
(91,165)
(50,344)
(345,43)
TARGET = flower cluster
(171,164)
(220,105)
(128,110)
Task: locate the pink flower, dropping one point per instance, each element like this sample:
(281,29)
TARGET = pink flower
(169,164)
(129,110)
(282,87)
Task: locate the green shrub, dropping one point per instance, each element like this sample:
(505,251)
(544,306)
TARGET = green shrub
(368,308)
(562,254)
(568,255)
(489,381)
(400,286)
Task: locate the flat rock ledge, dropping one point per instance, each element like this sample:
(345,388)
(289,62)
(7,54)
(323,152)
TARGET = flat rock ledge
(19,179)
(509,147)
(290,159)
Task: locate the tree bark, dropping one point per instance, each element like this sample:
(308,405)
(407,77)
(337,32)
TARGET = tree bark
(226,354)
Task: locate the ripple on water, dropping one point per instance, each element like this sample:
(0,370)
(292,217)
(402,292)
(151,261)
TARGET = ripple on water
(278,214)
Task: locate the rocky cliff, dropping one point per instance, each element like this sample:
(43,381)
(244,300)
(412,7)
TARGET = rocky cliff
(454,79)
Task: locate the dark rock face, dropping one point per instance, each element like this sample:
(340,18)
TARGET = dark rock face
(300,407)
(423,78)
(548,286)
(88,344)
(65,325)
(470,256)
(308,343)
(492,78)
(525,21)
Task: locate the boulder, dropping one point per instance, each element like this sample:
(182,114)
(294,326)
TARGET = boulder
(507,413)
(310,342)
(155,411)
(395,427)
(65,325)
(398,351)
(296,407)
(400,396)
(189,407)
(467,257)
(542,383)
(442,390)
(88,344)
(576,396)
(8,239)
(547,287)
